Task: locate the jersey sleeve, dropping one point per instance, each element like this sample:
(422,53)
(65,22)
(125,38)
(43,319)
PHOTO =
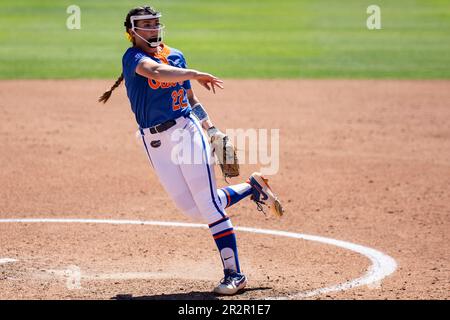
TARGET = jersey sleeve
(131,59)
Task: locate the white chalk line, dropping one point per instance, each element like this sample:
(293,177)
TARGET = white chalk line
(382,264)
(7,260)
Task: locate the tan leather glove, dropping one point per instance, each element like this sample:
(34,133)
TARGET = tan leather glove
(225,153)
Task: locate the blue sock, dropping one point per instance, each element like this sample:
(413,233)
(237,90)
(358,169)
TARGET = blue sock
(233,194)
(223,234)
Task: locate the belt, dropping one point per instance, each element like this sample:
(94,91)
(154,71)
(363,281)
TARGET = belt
(162,126)
(159,127)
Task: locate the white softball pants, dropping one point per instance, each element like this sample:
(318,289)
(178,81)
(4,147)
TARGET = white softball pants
(182,159)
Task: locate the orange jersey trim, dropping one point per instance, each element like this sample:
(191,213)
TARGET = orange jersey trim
(162,56)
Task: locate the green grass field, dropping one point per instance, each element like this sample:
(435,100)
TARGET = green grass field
(234,38)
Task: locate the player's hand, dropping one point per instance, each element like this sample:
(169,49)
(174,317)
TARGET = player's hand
(208,81)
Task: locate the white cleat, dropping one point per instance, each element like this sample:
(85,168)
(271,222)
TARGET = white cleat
(231,284)
(263,194)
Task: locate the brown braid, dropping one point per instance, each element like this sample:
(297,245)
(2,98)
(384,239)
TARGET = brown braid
(107,94)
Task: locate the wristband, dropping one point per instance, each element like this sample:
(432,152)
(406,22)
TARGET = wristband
(199,112)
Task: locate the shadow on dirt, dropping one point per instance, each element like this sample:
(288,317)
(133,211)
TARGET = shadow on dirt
(193,295)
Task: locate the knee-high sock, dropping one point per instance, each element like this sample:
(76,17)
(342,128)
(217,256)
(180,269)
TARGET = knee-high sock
(225,239)
(232,194)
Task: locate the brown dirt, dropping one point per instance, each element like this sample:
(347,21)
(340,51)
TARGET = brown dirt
(362,161)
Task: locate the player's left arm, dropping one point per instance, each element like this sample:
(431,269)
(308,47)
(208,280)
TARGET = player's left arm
(193,100)
(220,142)
(197,109)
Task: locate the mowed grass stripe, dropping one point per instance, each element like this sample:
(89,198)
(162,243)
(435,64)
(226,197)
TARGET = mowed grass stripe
(234,39)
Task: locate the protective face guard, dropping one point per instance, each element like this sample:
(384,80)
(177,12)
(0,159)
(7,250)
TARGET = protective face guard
(153,42)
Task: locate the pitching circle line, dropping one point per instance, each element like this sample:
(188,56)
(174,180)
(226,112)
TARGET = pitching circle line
(7,260)
(381,267)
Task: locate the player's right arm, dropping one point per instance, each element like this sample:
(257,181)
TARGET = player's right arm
(166,73)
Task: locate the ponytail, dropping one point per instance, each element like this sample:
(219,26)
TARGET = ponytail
(107,94)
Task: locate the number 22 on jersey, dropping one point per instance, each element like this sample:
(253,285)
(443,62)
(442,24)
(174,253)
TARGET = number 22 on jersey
(177,100)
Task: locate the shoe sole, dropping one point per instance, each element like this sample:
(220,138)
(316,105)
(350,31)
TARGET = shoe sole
(274,204)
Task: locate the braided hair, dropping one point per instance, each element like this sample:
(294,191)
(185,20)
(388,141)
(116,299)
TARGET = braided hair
(105,96)
(138,11)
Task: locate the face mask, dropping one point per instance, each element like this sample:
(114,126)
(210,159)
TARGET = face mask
(152,42)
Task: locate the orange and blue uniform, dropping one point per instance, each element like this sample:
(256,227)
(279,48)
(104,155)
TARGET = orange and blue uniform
(155,102)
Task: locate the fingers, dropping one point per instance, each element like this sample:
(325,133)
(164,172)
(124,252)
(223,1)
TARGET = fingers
(209,81)
(205,84)
(216,82)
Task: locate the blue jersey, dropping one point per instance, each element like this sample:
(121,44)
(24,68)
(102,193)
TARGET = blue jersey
(154,102)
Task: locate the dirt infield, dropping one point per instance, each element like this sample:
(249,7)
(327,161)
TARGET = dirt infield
(367,162)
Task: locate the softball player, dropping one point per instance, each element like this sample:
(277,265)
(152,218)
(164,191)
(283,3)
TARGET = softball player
(158,86)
